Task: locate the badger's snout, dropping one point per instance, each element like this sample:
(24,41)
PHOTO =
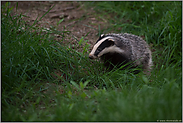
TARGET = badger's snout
(92,56)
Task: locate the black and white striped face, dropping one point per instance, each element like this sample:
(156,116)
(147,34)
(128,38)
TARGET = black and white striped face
(104,44)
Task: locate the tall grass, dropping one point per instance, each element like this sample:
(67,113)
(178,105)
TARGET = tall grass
(45,81)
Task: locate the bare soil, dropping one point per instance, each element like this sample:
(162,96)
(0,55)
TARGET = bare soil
(77,19)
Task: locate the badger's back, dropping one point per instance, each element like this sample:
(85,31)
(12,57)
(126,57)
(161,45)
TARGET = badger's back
(120,49)
(140,51)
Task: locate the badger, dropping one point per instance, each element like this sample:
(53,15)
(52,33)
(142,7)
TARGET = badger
(122,49)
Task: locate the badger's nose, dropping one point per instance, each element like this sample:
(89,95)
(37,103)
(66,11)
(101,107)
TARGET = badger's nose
(91,56)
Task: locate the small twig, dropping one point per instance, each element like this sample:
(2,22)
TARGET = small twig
(52,11)
(68,8)
(71,23)
(95,87)
(62,15)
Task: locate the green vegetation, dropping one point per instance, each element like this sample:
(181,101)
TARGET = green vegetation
(45,81)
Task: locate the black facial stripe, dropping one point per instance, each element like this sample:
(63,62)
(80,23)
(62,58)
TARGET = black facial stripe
(103,45)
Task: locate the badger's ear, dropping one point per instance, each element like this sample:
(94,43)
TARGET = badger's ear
(102,35)
(111,39)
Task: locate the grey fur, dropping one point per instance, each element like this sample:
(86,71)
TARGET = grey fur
(135,49)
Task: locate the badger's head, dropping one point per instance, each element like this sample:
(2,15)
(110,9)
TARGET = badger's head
(104,45)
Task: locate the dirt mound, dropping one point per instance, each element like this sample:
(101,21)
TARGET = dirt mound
(79,21)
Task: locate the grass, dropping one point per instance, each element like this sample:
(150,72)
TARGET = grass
(45,81)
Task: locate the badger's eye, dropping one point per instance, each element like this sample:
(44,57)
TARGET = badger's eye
(98,50)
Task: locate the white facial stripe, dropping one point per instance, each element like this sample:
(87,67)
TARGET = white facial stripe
(111,49)
(98,44)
